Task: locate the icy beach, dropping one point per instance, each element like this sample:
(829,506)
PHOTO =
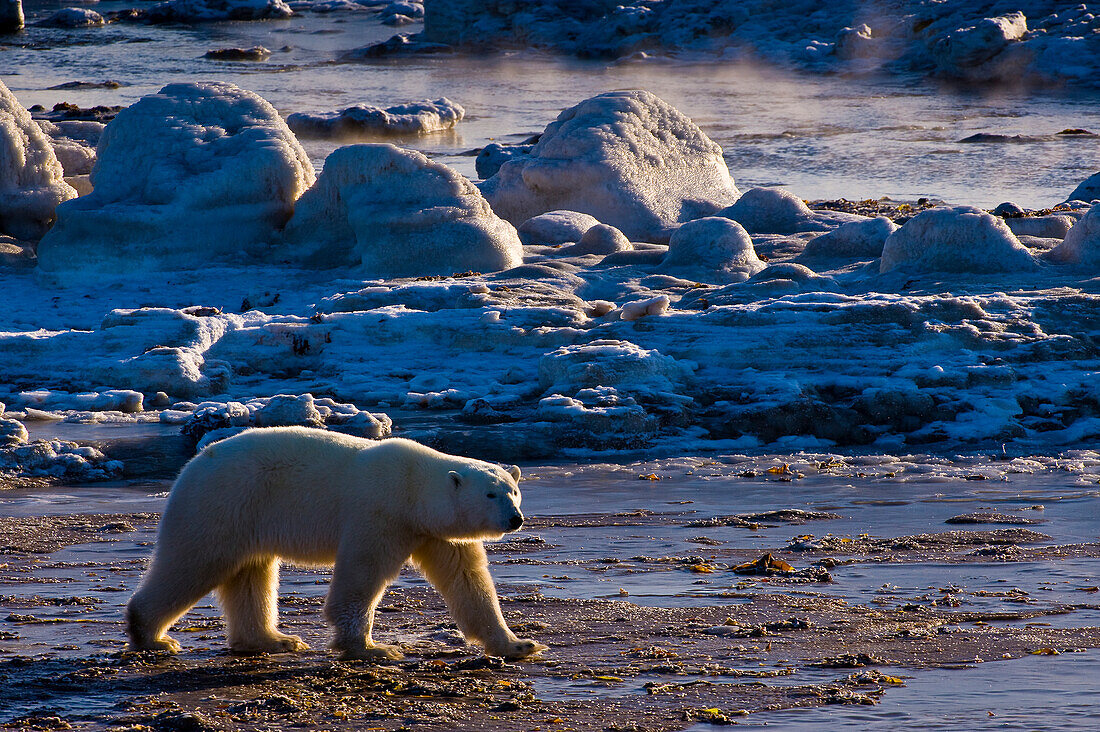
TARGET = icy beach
(840,256)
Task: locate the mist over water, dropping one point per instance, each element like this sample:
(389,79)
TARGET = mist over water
(821,137)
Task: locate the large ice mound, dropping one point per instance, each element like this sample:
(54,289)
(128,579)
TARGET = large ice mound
(31,179)
(1089,190)
(192,174)
(198,11)
(414,118)
(776,211)
(628,158)
(397,213)
(955,239)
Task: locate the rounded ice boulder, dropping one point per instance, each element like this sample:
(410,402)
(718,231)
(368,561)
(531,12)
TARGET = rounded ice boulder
(395,213)
(31,179)
(712,249)
(196,173)
(555,227)
(1082,242)
(955,239)
(1088,191)
(628,158)
(855,240)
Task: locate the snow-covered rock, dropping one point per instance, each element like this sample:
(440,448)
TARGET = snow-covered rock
(957,239)
(1088,191)
(1054,226)
(414,118)
(600,239)
(199,11)
(31,178)
(1082,242)
(495,154)
(975,50)
(628,158)
(74,18)
(854,240)
(555,227)
(194,174)
(395,213)
(610,363)
(712,249)
(56,459)
(776,211)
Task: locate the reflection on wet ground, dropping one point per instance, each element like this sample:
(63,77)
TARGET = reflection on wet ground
(892,587)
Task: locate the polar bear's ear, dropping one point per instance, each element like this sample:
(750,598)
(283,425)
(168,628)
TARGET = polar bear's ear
(456,479)
(513,470)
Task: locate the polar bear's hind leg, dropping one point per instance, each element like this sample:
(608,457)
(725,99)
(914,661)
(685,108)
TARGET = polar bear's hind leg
(250,600)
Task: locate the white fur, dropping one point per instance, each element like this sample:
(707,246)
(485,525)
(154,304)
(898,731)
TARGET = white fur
(316,497)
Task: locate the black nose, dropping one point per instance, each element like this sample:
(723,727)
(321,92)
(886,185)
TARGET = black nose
(515,523)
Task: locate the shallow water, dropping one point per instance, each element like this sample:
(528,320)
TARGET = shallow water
(822,137)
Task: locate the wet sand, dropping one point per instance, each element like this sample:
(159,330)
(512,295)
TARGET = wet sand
(657,618)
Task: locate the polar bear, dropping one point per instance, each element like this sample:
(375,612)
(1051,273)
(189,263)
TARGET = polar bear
(317,497)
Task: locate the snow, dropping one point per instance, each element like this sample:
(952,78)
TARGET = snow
(955,239)
(600,239)
(31,178)
(74,143)
(414,118)
(208,164)
(393,212)
(712,249)
(627,158)
(982,50)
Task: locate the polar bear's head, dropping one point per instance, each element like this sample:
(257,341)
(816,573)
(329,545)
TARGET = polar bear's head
(486,501)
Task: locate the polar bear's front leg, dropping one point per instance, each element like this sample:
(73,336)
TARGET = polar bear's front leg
(359,579)
(460,571)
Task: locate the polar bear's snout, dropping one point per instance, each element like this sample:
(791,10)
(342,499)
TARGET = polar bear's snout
(516,522)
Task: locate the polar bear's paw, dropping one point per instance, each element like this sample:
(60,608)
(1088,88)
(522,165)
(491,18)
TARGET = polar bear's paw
(278,643)
(373,652)
(517,649)
(164,644)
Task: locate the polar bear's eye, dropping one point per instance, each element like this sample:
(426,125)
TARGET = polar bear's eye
(490,495)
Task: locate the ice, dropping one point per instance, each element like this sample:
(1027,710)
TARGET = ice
(12,433)
(414,118)
(1054,226)
(198,11)
(494,155)
(555,227)
(854,240)
(74,143)
(56,459)
(74,18)
(600,239)
(776,211)
(194,174)
(983,50)
(627,158)
(712,249)
(1082,243)
(960,239)
(31,178)
(393,212)
(1089,190)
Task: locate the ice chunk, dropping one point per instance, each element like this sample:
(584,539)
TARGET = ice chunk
(856,43)
(968,52)
(397,213)
(74,18)
(494,155)
(609,363)
(628,158)
(74,143)
(776,211)
(955,239)
(711,249)
(56,459)
(12,433)
(285,409)
(1055,226)
(414,118)
(642,308)
(31,178)
(600,239)
(194,174)
(197,11)
(1088,191)
(854,240)
(555,227)
(1082,243)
